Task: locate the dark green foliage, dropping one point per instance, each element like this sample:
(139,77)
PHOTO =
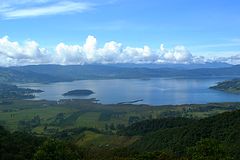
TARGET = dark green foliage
(171,114)
(59,119)
(120,127)
(155,156)
(24,146)
(209,149)
(57,150)
(106,127)
(28,125)
(146,126)
(107,115)
(112,126)
(70,120)
(2,123)
(133,119)
(213,138)
(17,145)
(223,127)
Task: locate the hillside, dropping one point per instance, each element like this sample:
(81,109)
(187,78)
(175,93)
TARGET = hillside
(8,92)
(107,72)
(231,86)
(58,73)
(11,75)
(18,145)
(147,126)
(223,127)
(216,137)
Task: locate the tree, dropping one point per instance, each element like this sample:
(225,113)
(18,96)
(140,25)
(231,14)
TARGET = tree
(208,149)
(156,156)
(106,127)
(57,150)
(112,127)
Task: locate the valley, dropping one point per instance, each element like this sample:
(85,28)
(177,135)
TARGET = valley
(119,80)
(105,129)
(129,129)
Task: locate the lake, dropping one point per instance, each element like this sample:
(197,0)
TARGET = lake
(159,91)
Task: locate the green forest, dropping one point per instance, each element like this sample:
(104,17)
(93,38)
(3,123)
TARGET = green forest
(216,137)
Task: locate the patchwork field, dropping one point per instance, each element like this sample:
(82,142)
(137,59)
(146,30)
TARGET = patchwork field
(49,116)
(95,127)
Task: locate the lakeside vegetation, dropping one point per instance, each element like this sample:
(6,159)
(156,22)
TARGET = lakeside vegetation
(8,91)
(230,86)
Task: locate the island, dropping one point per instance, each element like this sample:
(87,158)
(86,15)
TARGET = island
(79,92)
(230,86)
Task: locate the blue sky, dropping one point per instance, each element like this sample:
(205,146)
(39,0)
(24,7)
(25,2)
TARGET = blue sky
(207,28)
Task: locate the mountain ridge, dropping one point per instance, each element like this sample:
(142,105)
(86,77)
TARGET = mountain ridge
(60,73)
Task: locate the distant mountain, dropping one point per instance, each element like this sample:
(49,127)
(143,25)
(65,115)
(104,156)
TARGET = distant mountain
(174,66)
(10,75)
(58,73)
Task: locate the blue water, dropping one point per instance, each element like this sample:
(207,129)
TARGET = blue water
(158,91)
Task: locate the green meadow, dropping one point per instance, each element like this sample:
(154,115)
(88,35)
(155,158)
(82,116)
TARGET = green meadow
(43,117)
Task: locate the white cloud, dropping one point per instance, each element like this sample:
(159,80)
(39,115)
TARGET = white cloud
(12,53)
(29,52)
(178,54)
(12,9)
(110,51)
(68,54)
(89,48)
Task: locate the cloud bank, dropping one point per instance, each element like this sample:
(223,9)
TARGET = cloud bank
(29,52)
(114,52)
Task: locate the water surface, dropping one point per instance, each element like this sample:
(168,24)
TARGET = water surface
(158,91)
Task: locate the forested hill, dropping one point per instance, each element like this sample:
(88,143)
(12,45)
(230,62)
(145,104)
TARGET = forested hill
(231,86)
(213,138)
(148,126)
(56,73)
(223,128)
(9,75)
(9,92)
(25,146)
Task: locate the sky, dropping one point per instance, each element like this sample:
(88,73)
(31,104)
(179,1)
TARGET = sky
(119,31)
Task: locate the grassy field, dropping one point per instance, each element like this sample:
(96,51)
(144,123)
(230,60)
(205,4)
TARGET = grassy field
(93,125)
(104,141)
(68,114)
